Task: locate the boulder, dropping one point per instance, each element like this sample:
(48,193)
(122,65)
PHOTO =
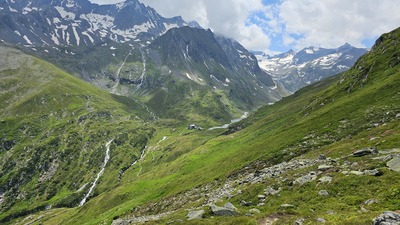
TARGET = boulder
(365,151)
(323,193)
(222,211)
(254,211)
(357,173)
(387,218)
(305,179)
(244,203)
(8,145)
(324,167)
(373,172)
(261,196)
(195,215)
(271,191)
(321,220)
(230,206)
(325,179)
(371,201)
(394,164)
(321,157)
(299,221)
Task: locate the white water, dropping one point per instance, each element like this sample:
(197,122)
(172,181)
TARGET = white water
(244,116)
(118,77)
(152,114)
(141,156)
(99,174)
(143,76)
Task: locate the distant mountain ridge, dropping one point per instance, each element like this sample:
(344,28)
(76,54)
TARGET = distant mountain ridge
(295,70)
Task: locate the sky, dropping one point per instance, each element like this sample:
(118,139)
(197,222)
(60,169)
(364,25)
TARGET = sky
(275,26)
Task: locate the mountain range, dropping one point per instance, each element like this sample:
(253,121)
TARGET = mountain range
(137,126)
(143,55)
(295,70)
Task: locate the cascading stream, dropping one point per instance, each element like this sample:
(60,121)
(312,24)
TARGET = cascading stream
(143,76)
(106,158)
(118,75)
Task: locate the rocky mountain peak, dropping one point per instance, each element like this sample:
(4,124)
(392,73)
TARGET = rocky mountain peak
(298,69)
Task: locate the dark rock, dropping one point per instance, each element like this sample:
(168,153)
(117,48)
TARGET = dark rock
(244,203)
(8,145)
(394,164)
(387,218)
(222,211)
(192,127)
(322,157)
(365,151)
(194,215)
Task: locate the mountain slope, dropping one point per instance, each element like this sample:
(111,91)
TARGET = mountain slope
(223,66)
(54,130)
(275,148)
(295,70)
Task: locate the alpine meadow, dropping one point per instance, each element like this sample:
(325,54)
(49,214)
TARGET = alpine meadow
(114,114)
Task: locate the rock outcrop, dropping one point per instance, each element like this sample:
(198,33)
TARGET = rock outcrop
(387,218)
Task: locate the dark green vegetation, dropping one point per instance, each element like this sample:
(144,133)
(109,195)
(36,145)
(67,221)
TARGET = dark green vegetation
(184,169)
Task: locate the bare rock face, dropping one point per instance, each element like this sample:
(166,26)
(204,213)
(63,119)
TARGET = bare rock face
(222,211)
(387,218)
(195,215)
(394,164)
(365,151)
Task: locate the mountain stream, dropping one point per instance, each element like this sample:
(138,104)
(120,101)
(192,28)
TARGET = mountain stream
(106,158)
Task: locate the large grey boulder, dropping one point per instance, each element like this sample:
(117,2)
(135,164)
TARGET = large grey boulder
(387,218)
(324,167)
(222,211)
(373,172)
(394,164)
(195,215)
(365,151)
(230,206)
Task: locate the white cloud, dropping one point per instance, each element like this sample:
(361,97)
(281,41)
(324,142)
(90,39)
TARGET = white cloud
(287,24)
(227,17)
(330,23)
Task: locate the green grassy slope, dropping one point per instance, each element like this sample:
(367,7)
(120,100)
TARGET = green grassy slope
(53,131)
